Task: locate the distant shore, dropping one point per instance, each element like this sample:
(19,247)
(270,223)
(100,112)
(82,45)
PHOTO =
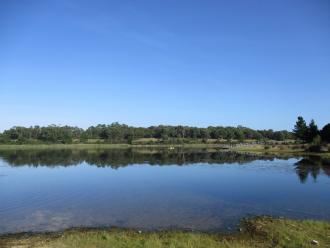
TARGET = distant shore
(105,146)
(255,232)
(295,149)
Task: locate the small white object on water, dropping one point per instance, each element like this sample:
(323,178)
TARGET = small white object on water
(315,242)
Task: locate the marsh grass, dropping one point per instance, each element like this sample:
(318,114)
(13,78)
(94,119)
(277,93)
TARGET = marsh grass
(257,232)
(280,149)
(102,146)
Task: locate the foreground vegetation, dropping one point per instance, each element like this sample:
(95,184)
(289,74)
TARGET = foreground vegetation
(257,232)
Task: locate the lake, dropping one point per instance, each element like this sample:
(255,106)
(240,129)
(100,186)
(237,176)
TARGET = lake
(148,189)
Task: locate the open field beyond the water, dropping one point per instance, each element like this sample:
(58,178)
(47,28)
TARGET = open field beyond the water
(259,232)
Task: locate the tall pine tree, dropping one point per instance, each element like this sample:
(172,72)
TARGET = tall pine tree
(300,129)
(313,131)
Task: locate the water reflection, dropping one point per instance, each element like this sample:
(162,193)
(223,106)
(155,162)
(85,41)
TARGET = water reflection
(200,189)
(313,166)
(116,158)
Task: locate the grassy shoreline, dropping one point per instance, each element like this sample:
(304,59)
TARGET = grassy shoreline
(279,149)
(253,148)
(256,232)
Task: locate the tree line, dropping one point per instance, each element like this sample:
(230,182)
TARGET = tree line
(310,133)
(121,133)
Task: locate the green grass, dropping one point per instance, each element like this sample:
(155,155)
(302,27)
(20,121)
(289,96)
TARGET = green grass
(101,146)
(257,232)
(296,149)
(276,149)
(62,146)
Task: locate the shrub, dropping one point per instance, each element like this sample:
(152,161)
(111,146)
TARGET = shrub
(314,148)
(316,140)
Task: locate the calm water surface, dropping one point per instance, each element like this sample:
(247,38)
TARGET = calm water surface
(152,189)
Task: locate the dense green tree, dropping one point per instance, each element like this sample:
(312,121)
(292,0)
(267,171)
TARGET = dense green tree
(180,132)
(239,134)
(120,133)
(325,133)
(313,131)
(300,129)
(279,136)
(104,134)
(204,134)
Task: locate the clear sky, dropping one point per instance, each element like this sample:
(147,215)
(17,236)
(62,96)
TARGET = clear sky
(253,63)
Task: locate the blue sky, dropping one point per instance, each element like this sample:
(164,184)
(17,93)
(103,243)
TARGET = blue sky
(253,63)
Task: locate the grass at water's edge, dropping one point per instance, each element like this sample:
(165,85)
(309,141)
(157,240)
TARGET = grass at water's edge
(256,232)
(103,146)
(274,149)
(279,149)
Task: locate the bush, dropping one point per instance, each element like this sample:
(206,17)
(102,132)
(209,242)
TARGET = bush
(315,148)
(316,140)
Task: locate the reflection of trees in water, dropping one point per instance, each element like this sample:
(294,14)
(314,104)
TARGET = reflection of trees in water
(312,166)
(115,158)
(41,157)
